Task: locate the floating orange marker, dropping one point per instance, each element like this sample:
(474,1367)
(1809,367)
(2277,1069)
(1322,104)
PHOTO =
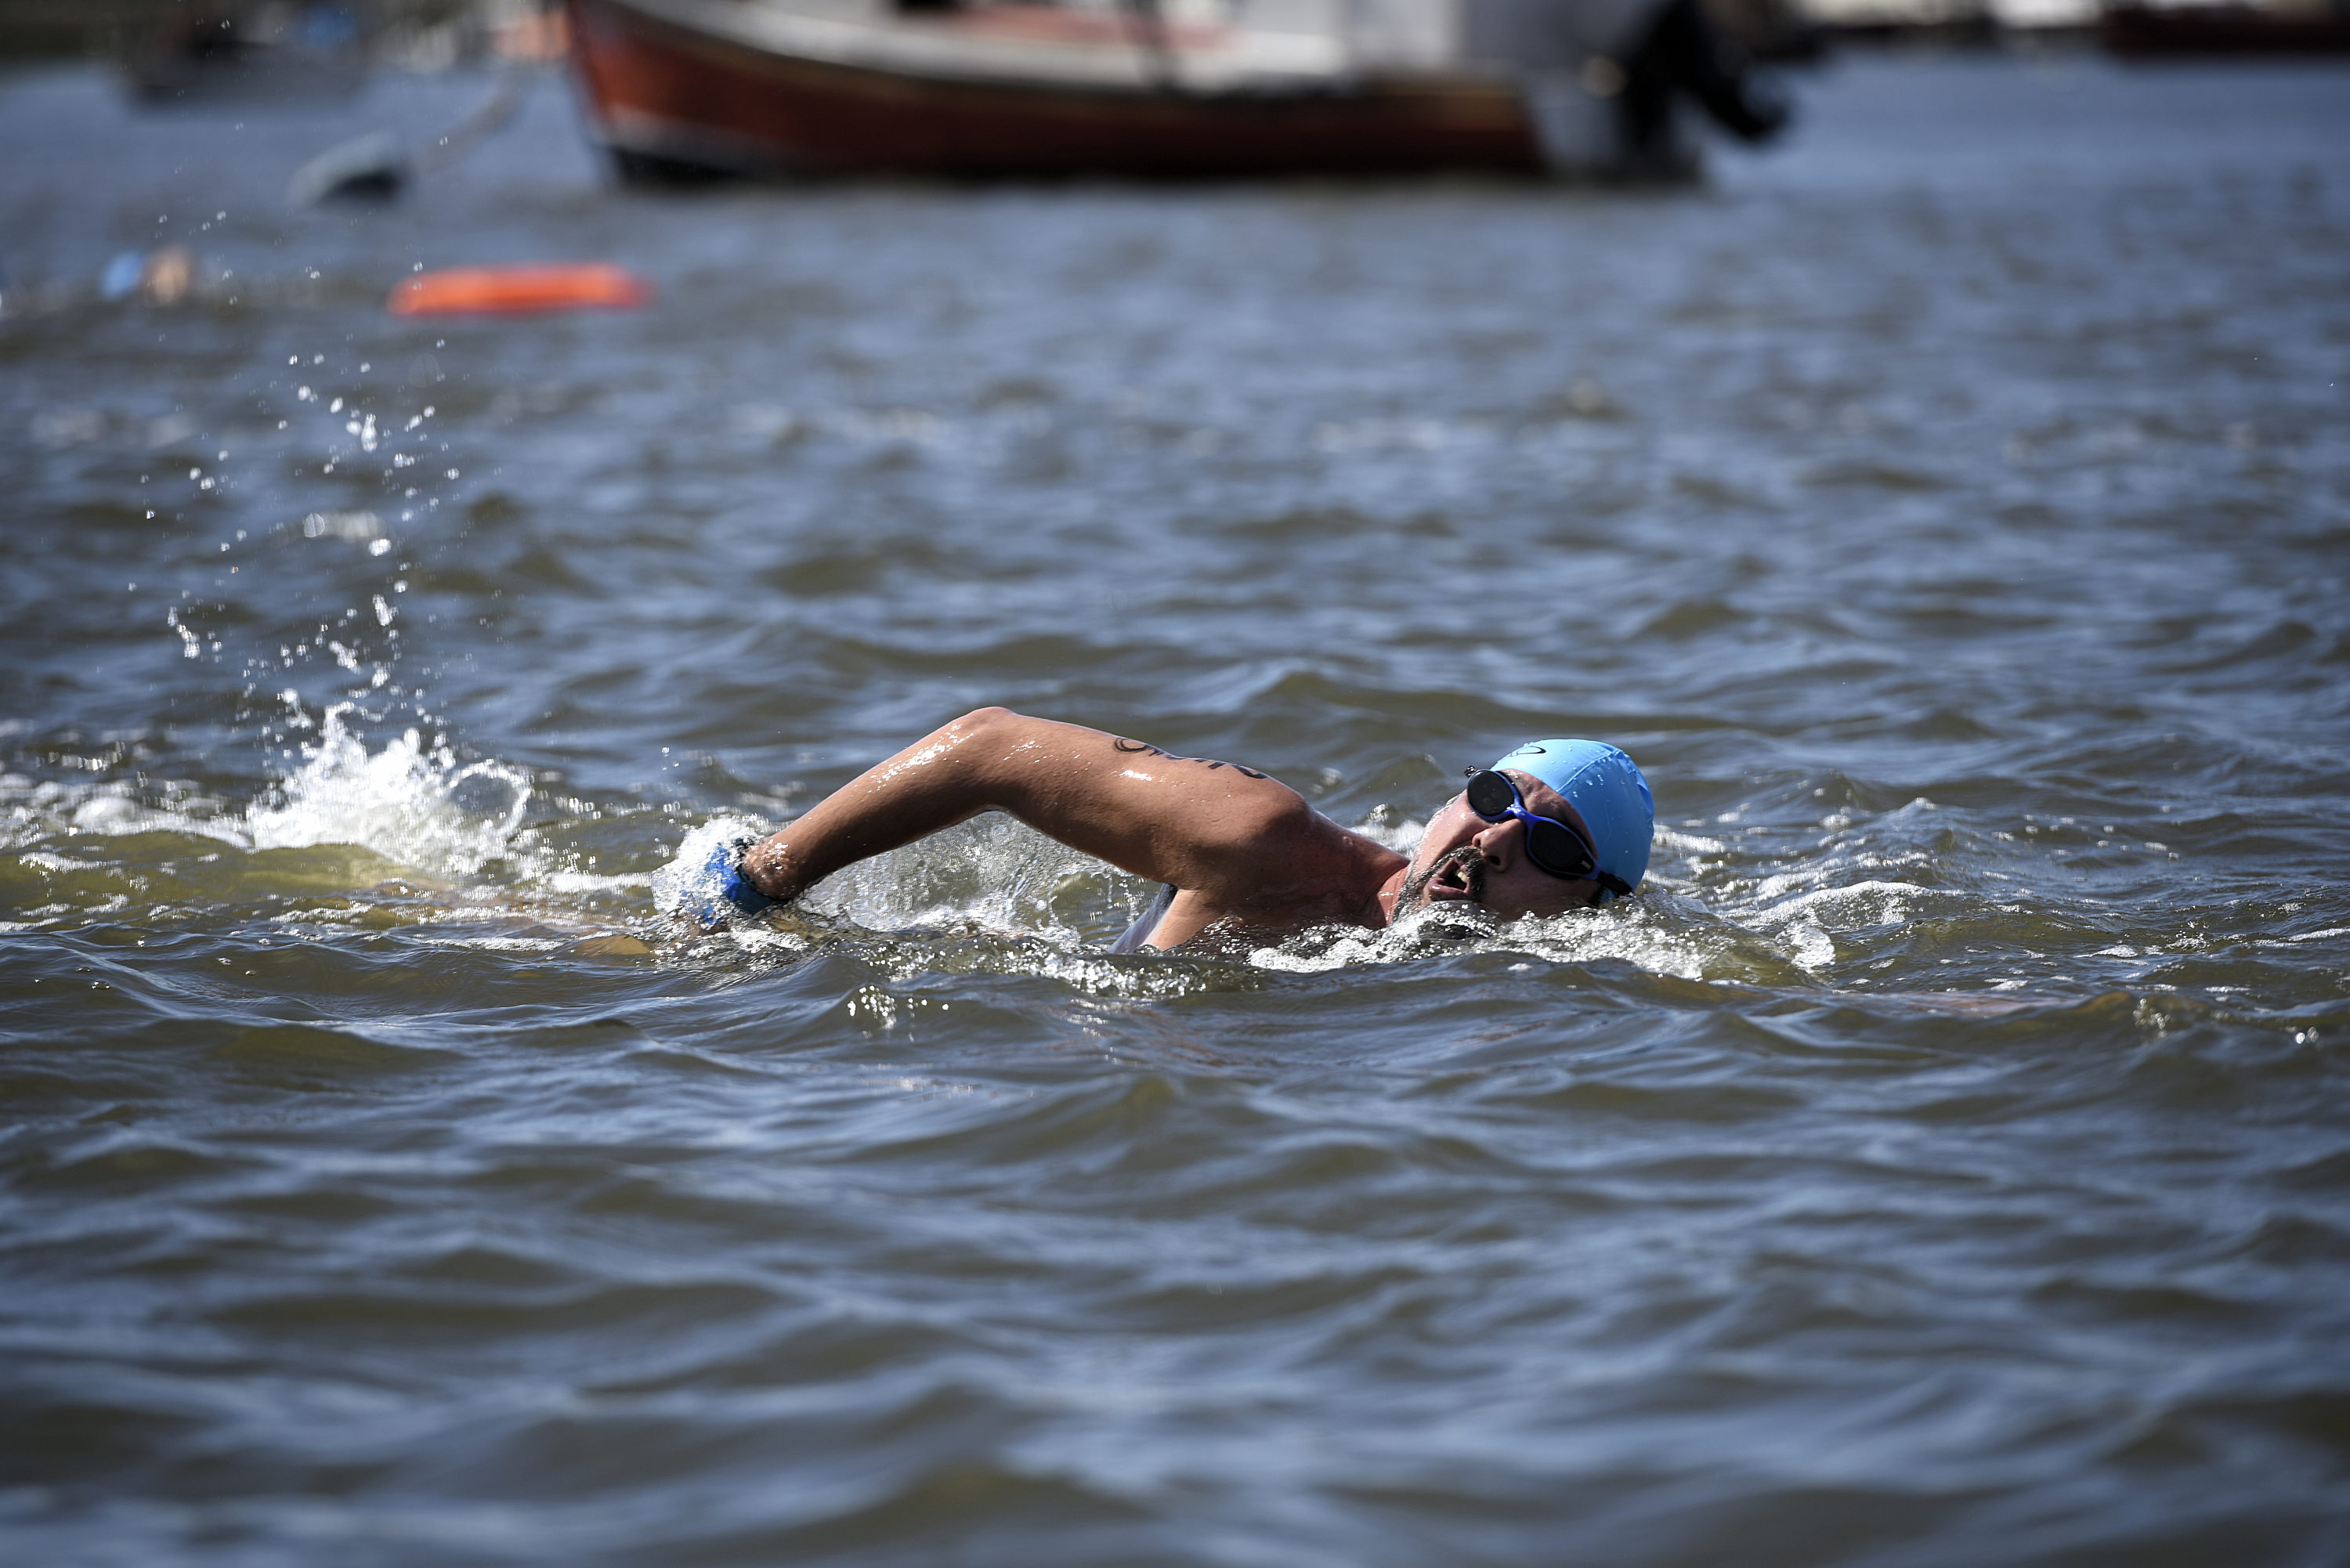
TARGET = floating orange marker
(520,290)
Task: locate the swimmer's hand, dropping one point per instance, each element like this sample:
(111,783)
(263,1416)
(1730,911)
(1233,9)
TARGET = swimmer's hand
(720,891)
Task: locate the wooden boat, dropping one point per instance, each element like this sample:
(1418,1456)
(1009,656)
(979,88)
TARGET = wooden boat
(1158,88)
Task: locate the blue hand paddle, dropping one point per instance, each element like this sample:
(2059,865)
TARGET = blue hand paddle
(722,889)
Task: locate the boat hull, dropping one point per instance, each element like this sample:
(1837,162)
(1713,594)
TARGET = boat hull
(670,97)
(2135,31)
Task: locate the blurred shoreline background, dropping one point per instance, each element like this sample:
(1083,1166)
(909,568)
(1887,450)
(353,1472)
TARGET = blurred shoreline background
(403,34)
(436,35)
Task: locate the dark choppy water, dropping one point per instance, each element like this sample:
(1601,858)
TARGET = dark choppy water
(1946,1162)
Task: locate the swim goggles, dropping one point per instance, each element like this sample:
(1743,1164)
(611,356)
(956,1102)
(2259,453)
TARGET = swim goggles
(1551,844)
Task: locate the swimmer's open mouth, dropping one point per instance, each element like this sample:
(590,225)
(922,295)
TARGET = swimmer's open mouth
(1460,875)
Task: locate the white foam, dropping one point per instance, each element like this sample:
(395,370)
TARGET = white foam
(112,809)
(1661,933)
(1853,907)
(596,881)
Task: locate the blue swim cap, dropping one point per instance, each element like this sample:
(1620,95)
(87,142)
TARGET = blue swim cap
(1608,788)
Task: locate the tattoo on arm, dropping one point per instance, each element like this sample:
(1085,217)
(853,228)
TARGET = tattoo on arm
(1126,745)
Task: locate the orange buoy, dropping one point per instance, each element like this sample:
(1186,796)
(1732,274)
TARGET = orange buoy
(520,290)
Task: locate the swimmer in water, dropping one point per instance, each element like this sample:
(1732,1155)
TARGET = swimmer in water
(1553,826)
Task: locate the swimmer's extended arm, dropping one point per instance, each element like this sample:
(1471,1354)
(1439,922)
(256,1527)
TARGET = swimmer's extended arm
(1248,845)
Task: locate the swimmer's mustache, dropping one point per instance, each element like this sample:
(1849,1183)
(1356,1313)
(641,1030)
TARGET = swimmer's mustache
(1467,859)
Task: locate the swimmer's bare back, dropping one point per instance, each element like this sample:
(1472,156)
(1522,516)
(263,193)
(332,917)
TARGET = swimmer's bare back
(1239,847)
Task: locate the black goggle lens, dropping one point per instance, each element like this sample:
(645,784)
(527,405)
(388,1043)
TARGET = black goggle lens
(1556,850)
(1490,794)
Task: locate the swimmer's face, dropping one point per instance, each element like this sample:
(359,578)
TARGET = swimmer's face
(1464,858)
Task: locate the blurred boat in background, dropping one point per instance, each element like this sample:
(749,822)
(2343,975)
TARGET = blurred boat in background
(685,89)
(2139,31)
(200,51)
(197,53)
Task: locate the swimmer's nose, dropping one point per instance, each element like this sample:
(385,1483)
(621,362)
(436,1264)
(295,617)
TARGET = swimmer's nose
(1499,842)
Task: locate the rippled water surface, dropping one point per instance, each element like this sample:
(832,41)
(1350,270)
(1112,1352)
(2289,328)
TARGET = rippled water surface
(1943,1162)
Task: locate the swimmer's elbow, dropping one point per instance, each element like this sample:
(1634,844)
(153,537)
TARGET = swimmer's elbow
(980,719)
(983,742)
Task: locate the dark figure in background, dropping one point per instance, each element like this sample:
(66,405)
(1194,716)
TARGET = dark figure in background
(1683,51)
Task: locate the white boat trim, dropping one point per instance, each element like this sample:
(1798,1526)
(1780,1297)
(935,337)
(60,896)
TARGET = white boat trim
(1223,60)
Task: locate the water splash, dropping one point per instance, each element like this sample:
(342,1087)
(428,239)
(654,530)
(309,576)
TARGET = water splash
(686,882)
(992,874)
(412,801)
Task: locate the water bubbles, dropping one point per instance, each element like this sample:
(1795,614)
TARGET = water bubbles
(356,528)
